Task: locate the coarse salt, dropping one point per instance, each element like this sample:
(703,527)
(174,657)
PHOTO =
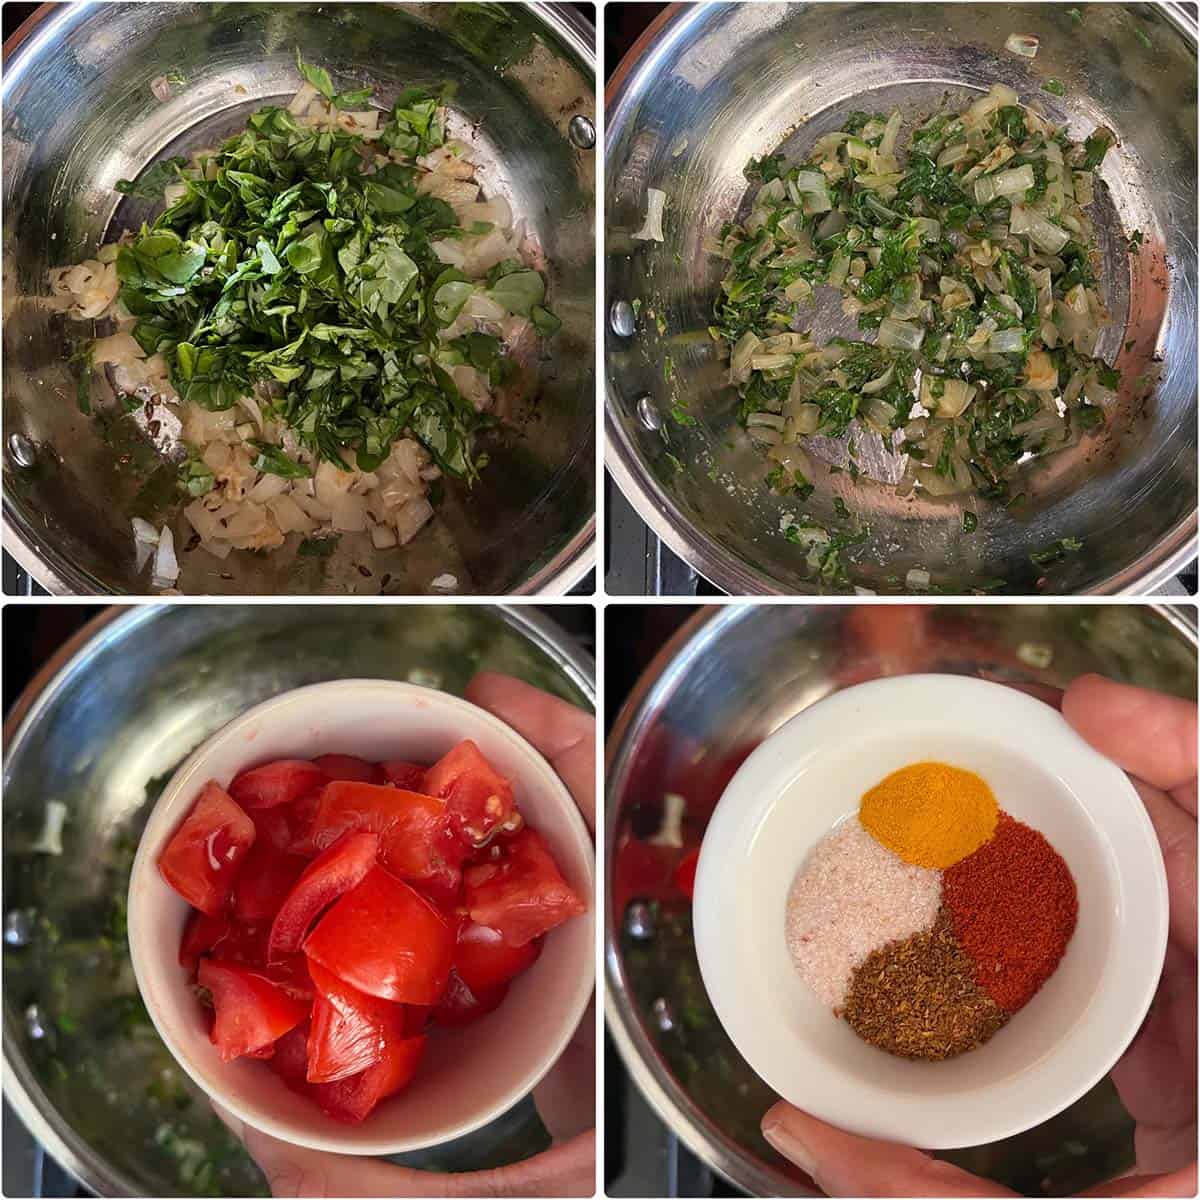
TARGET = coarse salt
(853,896)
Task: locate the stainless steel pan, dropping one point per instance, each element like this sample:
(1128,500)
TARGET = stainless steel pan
(710,86)
(79,114)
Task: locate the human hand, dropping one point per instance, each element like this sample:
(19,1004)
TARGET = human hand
(565,1099)
(1153,738)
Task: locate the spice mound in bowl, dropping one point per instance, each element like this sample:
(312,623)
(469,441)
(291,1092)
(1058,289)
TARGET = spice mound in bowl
(930,918)
(940,929)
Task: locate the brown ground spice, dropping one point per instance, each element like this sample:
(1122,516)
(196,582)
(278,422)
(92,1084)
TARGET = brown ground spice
(917,998)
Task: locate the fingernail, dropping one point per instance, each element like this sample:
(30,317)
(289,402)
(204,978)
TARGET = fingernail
(784,1139)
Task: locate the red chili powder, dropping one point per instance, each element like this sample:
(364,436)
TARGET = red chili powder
(1012,907)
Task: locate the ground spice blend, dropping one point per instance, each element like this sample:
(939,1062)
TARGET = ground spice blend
(1012,906)
(917,998)
(930,814)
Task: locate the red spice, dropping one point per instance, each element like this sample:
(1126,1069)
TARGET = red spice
(1012,907)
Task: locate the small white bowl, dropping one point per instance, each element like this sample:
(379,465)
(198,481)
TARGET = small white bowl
(468,1076)
(809,775)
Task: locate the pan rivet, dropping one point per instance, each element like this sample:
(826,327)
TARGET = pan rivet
(21,451)
(663,1017)
(582,132)
(639,921)
(18,927)
(620,317)
(34,1025)
(649,414)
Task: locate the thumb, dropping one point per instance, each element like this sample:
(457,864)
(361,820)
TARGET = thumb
(843,1164)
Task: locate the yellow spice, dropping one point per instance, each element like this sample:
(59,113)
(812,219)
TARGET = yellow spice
(930,814)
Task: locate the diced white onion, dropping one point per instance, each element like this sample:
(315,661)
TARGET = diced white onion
(1024,44)
(900,335)
(652,226)
(166,566)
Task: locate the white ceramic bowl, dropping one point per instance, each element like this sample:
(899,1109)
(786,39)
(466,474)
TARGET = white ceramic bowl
(467,1076)
(810,774)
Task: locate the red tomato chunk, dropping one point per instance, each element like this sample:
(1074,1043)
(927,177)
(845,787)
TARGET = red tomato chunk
(483,960)
(331,874)
(406,775)
(202,859)
(346,766)
(385,939)
(330,920)
(478,797)
(521,894)
(415,841)
(461,1006)
(277,783)
(349,1028)
(251,1011)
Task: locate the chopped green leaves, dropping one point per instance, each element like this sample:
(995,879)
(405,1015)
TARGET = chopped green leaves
(965,249)
(518,291)
(293,260)
(273,461)
(195,477)
(317,76)
(150,183)
(1095,148)
(1054,87)
(1056,552)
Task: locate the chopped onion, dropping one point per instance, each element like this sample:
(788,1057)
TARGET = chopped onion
(812,189)
(1007,341)
(760,419)
(951,400)
(670,830)
(444,583)
(899,335)
(289,516)
(383,537)
(917,579)
(49,840)
(145,539)
(166,566)
(1045,234)
(652,226)
(1024,44)
(1004,183)
(411,518)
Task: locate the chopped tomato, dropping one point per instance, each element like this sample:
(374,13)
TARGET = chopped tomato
(461,1005)
(267,876)
(201,935)
(349,1028)
(415,841)
(478,798)
(277,782)
(300,815)
(290,1061)
(404,775)
(251,1011)
(483,960)
(352,1099)
(334,872)
(346,766)
(417,1018)
(203,858)
(245,943)
(265,1052)
(385,939)
(685,873)
(522,894)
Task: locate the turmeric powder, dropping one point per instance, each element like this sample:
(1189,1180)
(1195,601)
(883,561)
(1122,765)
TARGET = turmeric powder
(930,814)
